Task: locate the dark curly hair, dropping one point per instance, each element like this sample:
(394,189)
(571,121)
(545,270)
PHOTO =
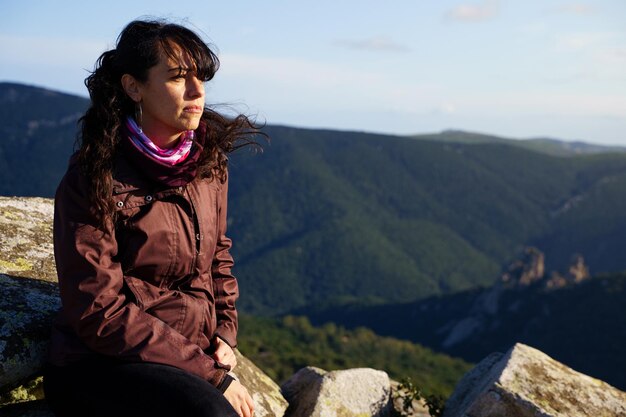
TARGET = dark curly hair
(139,47)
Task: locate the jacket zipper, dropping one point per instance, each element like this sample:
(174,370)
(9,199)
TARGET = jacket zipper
(196,230)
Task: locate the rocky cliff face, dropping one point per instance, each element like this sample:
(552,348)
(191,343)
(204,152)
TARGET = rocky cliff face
(530,269)
(525,271)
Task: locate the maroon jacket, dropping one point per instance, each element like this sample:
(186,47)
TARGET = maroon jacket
(156,287)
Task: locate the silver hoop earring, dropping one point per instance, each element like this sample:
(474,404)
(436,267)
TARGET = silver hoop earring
(138,115)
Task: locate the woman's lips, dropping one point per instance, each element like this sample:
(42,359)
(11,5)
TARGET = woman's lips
(193,109)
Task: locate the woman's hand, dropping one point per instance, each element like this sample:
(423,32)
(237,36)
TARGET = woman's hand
(224,353)
(237,395)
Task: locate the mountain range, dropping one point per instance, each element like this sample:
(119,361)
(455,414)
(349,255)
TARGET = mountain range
(322,217)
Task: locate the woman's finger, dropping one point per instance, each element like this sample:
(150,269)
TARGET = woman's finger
(247,411)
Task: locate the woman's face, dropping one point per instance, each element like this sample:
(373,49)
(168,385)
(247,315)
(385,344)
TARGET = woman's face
(172,100)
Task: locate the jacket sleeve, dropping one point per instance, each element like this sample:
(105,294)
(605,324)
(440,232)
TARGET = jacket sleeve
(225,285)
(94,303)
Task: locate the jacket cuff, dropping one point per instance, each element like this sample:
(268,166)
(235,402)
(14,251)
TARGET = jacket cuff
(217,376)
(223,386)
(226,336)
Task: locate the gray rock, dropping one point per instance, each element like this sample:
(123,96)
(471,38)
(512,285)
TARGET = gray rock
(313,392)
(27,308)
(526,382)
(417,407)
(26,238)
(27,283)
(268,400)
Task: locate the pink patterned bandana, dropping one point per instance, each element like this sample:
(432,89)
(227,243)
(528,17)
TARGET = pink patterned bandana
(171,156)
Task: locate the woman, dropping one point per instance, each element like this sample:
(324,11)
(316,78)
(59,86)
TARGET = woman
(148,321)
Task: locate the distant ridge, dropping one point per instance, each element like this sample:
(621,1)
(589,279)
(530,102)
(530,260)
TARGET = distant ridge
(37,135)
(550,146)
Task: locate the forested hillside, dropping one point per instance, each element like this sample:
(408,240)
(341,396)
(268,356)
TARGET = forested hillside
(283,346)
(323,217)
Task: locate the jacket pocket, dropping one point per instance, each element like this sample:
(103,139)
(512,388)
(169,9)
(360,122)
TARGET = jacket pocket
(181,311)
(149,236)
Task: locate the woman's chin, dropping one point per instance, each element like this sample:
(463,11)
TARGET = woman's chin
(192,123)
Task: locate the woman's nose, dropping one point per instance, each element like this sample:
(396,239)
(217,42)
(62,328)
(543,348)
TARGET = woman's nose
(195,87)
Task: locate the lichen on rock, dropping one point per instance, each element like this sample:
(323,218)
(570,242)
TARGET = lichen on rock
(313,392)
(527,382)
(26,237)
(268,401)
(27,308)
(30,391)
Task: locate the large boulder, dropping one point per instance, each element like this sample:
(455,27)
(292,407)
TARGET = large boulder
(268,400)
(526,382)
(29,301)
(27,308)
(313,392)
(28,286)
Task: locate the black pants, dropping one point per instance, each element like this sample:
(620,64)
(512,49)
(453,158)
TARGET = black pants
(109,388)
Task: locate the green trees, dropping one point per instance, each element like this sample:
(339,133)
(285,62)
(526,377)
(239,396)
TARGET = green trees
(282,346)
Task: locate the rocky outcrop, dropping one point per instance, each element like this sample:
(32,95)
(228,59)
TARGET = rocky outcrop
(576,273)
(530,269)
(313,392)
(268,400)
(525,271)
(28,286)
(525,382)
(523,275)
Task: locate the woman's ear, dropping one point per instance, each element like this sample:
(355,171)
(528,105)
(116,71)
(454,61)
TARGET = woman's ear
(131,87)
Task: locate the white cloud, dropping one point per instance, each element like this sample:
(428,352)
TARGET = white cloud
(288,83)
(609,62)
(292,72)
(599,55)
(379,43)
(474,12)
(545,103)
(577,8)
(54,62)
(445,108)
(577,41)
(50,51)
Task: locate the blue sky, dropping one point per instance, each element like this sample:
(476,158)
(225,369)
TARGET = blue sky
(516,68)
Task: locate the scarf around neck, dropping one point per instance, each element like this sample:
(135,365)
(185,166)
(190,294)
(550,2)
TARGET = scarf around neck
(171,167)
(166,156)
